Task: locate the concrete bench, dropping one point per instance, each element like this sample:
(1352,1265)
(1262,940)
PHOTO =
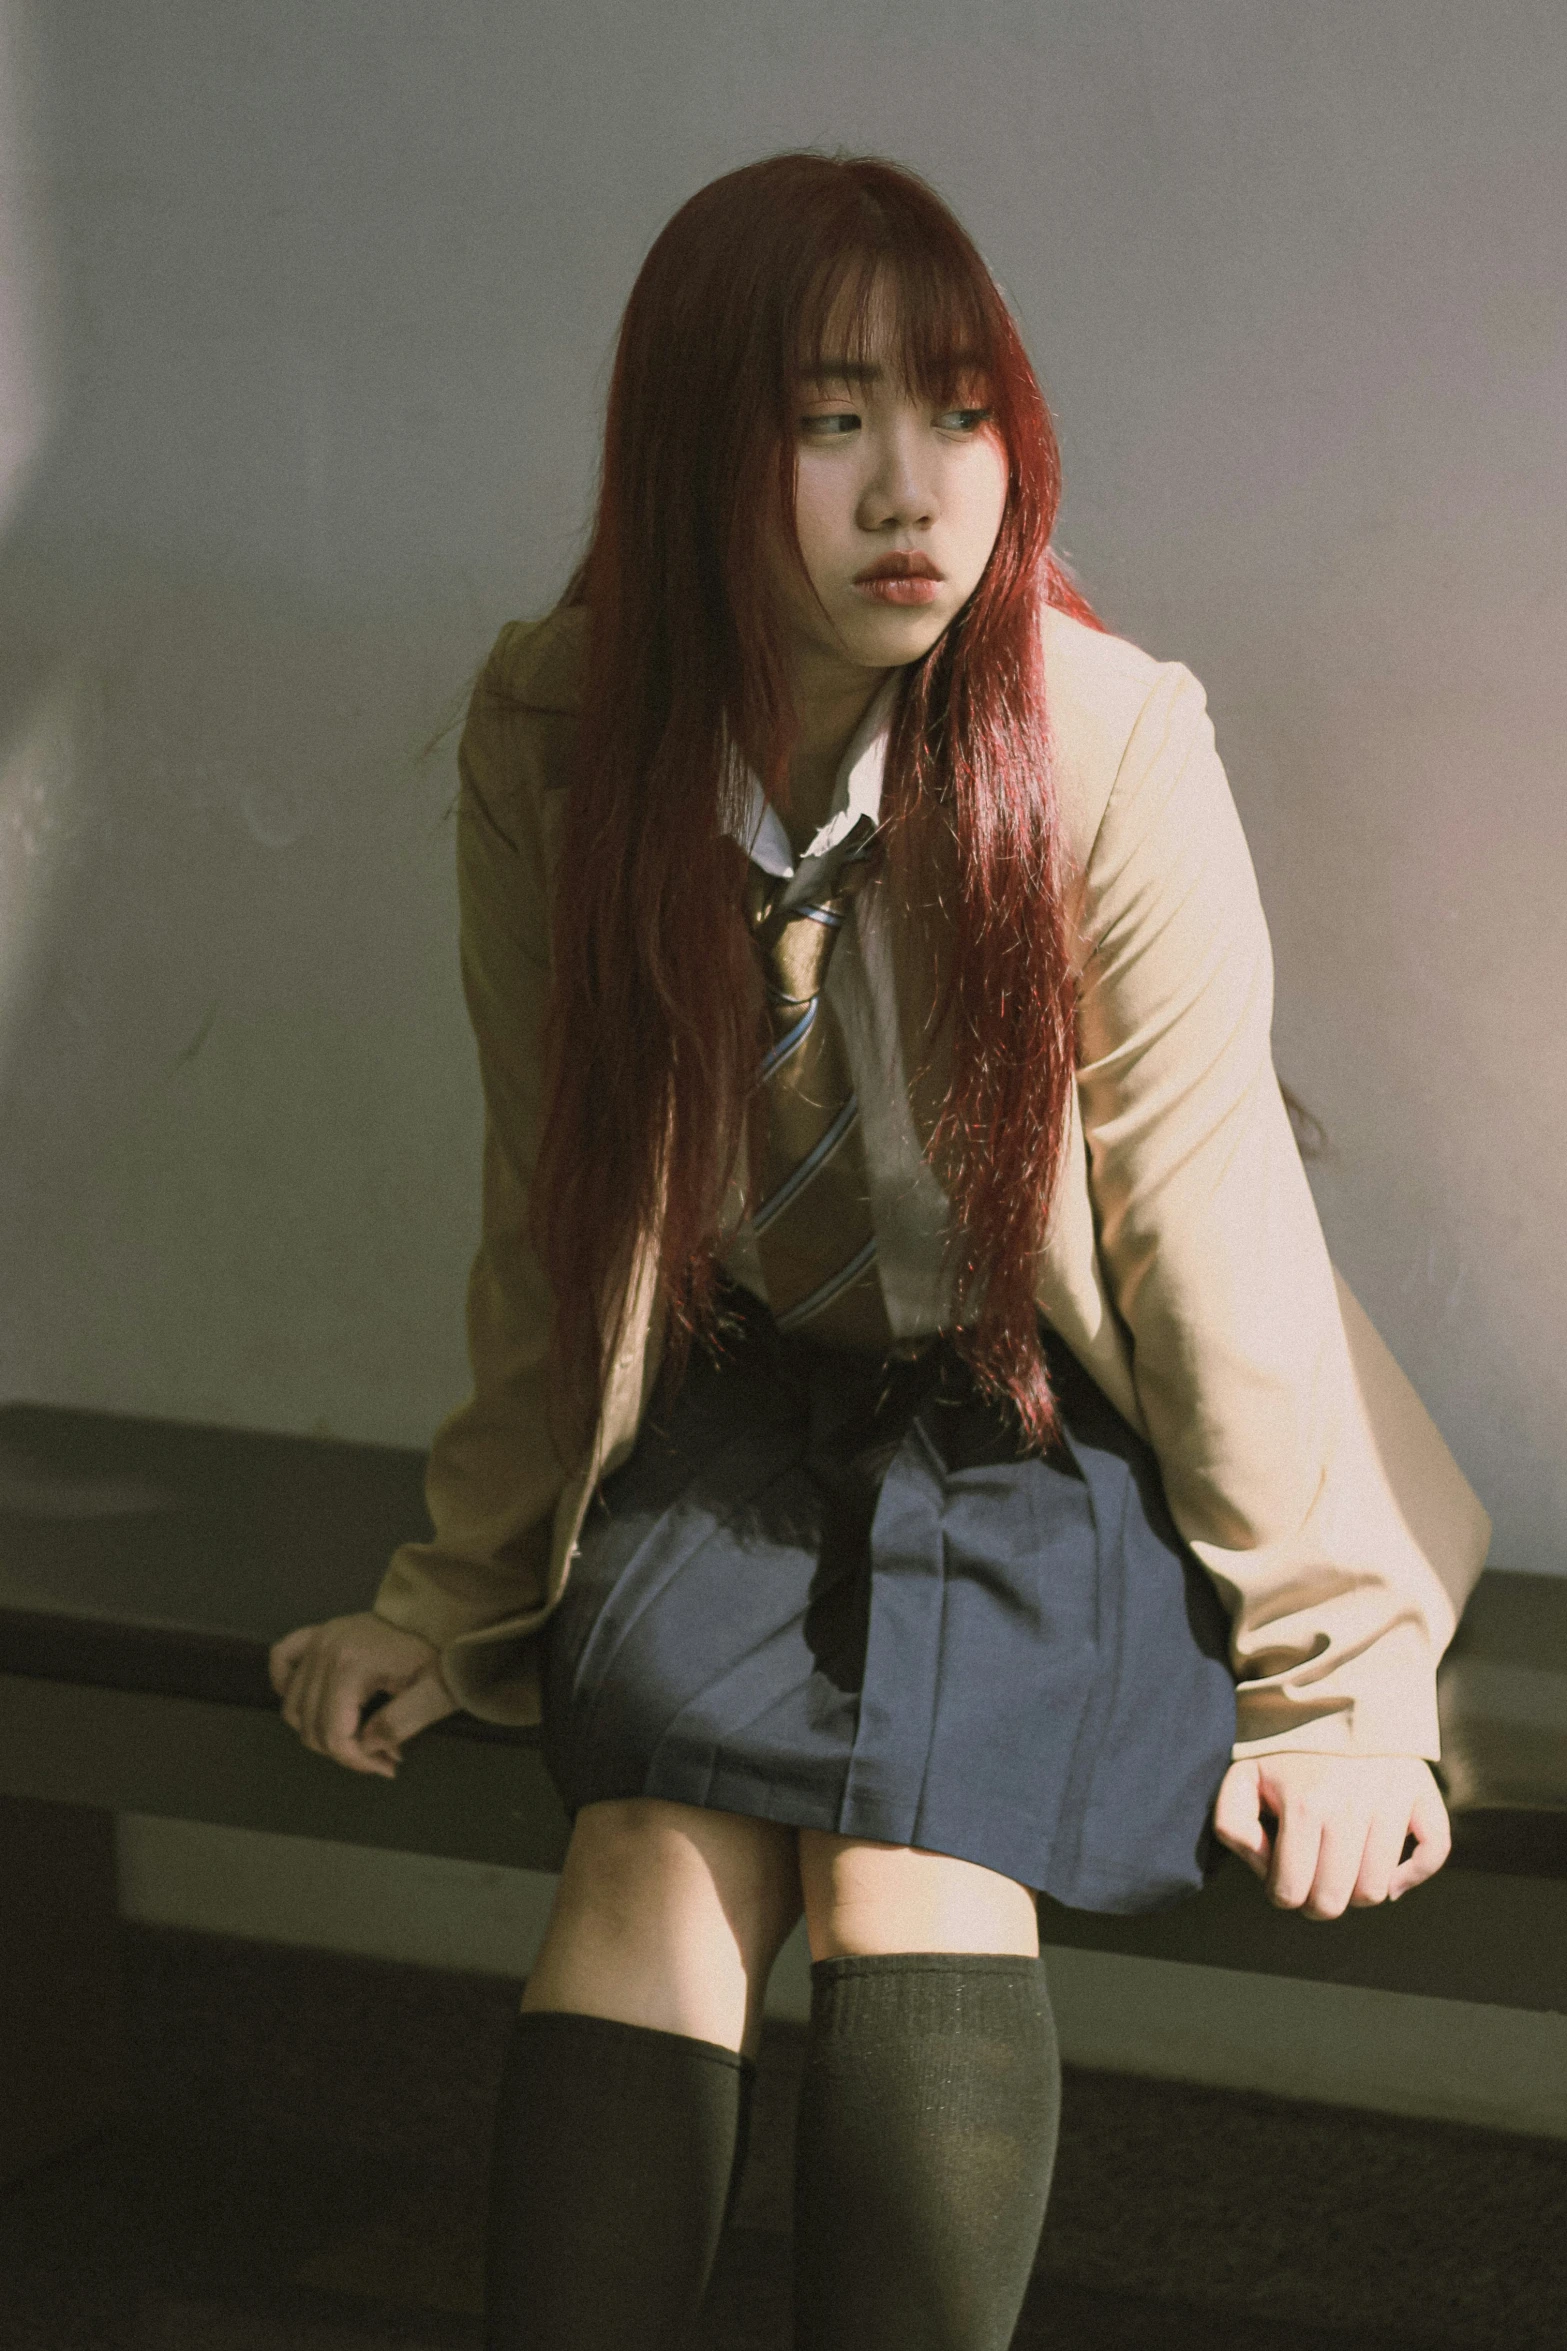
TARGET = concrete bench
(146,1567)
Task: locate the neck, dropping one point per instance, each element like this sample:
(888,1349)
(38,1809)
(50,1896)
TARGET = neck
(827,723)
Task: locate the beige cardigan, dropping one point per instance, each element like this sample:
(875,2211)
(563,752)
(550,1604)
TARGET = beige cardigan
(1185,1266)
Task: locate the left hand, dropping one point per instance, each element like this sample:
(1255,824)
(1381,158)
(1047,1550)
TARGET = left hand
(1342,1825)
(328,1674)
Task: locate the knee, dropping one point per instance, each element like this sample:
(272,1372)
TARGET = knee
(861,1898)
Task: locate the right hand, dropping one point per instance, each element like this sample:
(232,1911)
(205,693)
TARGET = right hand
(325,1674)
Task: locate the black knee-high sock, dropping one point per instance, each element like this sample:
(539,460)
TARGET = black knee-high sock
(742,2136)
(930,2106)
(616,2159)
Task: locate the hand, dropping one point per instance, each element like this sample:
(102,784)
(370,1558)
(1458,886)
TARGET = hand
(326,1673)
(1342,1825)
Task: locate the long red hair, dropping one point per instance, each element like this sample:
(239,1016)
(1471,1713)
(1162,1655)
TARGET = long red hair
(650,1040)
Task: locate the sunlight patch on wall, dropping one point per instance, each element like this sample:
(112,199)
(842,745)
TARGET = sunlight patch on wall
(38,806)
(26,375)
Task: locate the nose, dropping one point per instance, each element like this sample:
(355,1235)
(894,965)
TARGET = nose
(905,506)
(900,490)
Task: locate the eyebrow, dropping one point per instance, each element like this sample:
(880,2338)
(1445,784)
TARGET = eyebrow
(866,371)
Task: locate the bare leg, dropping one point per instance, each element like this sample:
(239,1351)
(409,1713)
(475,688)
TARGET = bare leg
(864,1897)
(670,1915)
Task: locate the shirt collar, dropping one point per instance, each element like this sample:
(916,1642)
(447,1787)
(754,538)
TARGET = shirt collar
(856,793)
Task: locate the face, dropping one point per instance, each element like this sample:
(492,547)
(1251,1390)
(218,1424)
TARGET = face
(881,473)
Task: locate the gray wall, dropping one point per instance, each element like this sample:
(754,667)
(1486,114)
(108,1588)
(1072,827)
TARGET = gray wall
(303,344)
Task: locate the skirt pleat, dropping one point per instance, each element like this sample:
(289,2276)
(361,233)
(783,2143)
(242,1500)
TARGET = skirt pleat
(837,1591)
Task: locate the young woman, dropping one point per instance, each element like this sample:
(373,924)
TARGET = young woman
(919,1453)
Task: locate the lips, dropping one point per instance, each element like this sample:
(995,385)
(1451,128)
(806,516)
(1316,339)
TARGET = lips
(899,567)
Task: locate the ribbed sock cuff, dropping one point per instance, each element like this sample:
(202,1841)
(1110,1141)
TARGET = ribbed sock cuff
(990,1990)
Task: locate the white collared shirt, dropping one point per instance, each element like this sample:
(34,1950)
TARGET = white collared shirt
(909,1210)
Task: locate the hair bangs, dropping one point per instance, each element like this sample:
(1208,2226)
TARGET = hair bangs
(945,317)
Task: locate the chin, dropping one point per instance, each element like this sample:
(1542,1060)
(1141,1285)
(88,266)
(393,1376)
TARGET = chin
(894,636)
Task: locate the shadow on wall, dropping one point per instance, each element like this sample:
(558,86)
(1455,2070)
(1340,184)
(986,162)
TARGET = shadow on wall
(1311,1136)
(37,697)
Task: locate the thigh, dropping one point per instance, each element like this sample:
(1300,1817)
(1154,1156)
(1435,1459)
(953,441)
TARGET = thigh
(863,1897)
(682,1860)
(669,1915)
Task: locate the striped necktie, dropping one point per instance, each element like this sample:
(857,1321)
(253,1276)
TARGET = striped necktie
(813,1228)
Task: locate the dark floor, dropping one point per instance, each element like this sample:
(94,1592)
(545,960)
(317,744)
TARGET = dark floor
(302,2165)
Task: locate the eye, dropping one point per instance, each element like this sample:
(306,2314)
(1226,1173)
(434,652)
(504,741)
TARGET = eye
(970,421)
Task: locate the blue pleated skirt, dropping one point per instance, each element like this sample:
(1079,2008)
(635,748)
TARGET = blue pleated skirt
(837,1591)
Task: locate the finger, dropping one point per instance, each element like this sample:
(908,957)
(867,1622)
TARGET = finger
(425,1700)
(1384,1843)
(341,1738)
(1256,1851)
(353,1747)
(284,1655)
(1432,1830)
(1237,1819)
(298,1699)
(304,1696)
(1297,1849)
(1341,1857)
(333,1685)
(322,1675)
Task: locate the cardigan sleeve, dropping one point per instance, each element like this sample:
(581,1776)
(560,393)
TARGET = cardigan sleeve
(494,1473)
(1217,1265)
